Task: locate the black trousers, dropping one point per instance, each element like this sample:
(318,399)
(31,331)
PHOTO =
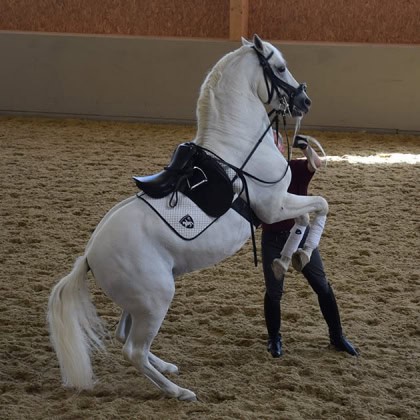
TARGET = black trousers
(272,245)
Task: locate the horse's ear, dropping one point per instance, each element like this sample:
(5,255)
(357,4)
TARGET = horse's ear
(258,43)
(246,43)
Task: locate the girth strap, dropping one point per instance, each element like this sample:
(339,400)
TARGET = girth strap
(242,207)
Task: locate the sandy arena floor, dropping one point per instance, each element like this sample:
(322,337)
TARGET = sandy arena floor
(59,177)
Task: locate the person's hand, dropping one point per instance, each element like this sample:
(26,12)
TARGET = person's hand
(301,142)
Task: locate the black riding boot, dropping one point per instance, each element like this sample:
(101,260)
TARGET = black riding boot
(273,320)
(329,310)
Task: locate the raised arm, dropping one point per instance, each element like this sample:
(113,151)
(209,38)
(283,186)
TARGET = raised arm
(314,161)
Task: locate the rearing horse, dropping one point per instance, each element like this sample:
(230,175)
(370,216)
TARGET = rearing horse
(133,255)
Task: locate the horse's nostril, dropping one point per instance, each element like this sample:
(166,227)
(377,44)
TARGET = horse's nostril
(308,102)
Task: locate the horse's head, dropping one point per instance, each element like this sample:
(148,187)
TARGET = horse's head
(278,88)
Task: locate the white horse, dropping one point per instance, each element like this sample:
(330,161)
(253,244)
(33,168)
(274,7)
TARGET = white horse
(135,257)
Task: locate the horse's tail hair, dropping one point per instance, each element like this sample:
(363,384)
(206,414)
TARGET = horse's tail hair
(75,328)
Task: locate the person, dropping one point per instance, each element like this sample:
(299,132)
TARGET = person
(273,239)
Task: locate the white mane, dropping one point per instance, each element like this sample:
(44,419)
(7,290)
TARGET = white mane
(206,100)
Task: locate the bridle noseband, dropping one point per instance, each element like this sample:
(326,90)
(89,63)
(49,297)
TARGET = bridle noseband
(277,84)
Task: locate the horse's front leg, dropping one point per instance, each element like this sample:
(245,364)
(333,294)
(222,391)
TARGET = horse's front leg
(298,207)
(281,265)
(303,255)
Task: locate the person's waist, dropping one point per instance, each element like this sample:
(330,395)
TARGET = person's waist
(278,235)
(280,227)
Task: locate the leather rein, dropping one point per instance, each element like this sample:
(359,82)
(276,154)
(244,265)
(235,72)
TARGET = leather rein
(241,174)
(291,92)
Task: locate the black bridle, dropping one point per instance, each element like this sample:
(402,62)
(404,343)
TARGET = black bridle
(289,91)
(276,84)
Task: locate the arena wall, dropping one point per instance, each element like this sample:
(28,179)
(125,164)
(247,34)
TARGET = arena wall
(353,86)
(373,21)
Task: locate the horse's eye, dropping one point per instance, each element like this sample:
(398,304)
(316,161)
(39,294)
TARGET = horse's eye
(281,69)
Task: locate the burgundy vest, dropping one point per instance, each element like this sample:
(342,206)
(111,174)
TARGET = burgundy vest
(301,177)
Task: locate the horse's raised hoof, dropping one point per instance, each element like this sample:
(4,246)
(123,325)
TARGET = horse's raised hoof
(299,259)
(187,395)
(279,268)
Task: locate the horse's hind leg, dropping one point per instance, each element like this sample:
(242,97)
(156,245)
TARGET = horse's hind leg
(122,332)
(161,365)
(123,327)
(147,315)
(136,350)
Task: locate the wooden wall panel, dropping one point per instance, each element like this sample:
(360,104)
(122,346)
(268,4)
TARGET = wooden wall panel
(368,21)
(373,21)
(171,18)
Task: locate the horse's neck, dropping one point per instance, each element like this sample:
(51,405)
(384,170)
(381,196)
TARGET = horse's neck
(231,118)
(232,130)
(231,121)
(231,126)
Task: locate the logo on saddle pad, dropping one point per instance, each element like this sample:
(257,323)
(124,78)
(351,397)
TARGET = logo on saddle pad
(187,221)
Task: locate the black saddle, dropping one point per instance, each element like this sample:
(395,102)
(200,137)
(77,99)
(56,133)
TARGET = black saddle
(197,175)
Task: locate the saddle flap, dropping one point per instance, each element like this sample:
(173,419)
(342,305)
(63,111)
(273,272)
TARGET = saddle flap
(215,194)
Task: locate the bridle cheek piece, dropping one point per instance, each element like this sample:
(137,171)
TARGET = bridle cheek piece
(277,84)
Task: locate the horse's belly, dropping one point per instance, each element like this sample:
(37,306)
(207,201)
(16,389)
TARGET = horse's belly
(223,239)
(134,235)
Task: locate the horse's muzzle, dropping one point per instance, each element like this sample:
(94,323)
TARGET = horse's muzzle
(300,102)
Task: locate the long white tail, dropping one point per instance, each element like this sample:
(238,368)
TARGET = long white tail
(75,328)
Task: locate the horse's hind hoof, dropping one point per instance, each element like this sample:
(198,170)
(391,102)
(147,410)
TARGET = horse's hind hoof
(170,368)
(299,259)
(187,395)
